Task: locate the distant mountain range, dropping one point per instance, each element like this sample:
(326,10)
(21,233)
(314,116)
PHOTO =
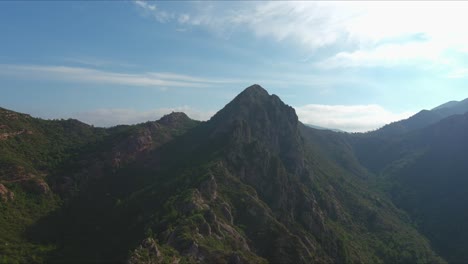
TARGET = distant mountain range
(425,118)
(250,185)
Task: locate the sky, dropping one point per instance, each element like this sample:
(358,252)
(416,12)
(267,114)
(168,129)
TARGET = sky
(348,65)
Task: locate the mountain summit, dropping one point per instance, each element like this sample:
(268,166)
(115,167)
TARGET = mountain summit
(254,90)
(256,116)
(253,104)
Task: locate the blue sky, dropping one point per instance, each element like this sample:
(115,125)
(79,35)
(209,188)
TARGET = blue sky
(348,65)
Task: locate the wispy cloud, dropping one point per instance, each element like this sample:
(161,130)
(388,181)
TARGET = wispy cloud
(386,56)
(364,34)
(89,75)
(146,5)
(150,9)
(351,118)
(94,62)
(309,23)
(114,116)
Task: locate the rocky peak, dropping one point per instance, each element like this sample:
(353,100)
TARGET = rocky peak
(254,115)
(254,104)
(174,119)
(254,91)
(257,126)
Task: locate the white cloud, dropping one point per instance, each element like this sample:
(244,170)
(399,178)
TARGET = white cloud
(115,116)
(310,23)
(351,118)
(387,55)
(89,75)
(152,10)
(374,33)
(145,5)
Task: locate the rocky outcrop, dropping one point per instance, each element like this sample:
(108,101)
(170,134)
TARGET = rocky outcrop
(209,188)
(147,253)
(226,211)
(149,136)
(36,185)
(174,119)
(5,136)
(5,194)
(200,226)
(193,204)
(128,149)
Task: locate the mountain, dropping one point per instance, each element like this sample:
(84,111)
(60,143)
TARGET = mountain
(453,107)
(251,185)
(447,105)
(419,162)
(424,173)
(432,184)
(43,163)
(423,119)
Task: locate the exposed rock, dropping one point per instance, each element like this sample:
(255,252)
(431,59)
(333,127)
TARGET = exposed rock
(173,119)
(195,203)
(147,253)
(4,136)
(36,185)
(5,194)
(151,245)
(210,216)
(226,211)
(186,245)
(209,188)
(10,115)
(232,233)
(205,229)
(192,250)
(235,259)
(128,149)
(42,186)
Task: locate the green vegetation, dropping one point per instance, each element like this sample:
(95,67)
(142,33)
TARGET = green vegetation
(252,185)
(15,217)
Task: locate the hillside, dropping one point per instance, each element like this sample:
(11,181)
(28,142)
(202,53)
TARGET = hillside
(42,164)
(424,174)
(251,185)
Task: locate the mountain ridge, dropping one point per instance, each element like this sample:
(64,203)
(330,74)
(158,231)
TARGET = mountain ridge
(423,118)
(250,185)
